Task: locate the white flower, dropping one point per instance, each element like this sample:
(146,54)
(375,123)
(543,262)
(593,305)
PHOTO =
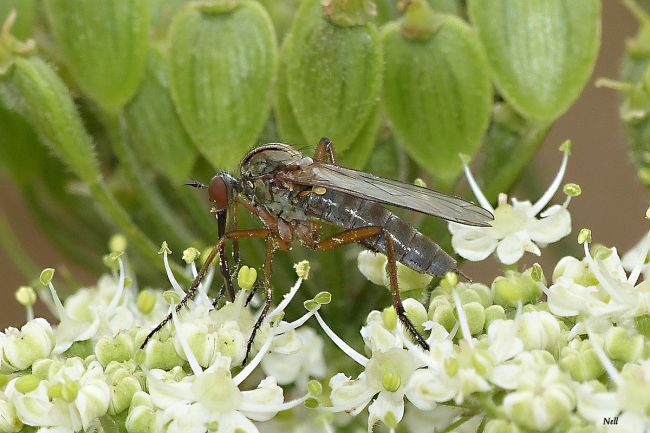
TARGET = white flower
(211,398)
(516,228)
(386,376)
(297,365)
(9,421)
(72,397)
(376,336)
(19,349)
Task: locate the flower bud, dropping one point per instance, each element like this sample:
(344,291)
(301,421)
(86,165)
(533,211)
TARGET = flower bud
(389,317)
(542,409)
(513,288)
(642,324)
(231,342)
(563,72)
(416,312)
(201,343)
(372,265)
(330,74)
(161,354)
(621,346)
(141,419)
(443,312)
(226,95)
(95,38)
(118,348)
(437,88)
(475,315)
(581,361)
(539,330)
(122,391)
(492,313)
(34,341)
(501,426)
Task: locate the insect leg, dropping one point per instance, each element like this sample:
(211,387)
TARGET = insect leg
(268,294)
(325,151)
(360,234)
(394,291)
(235,234)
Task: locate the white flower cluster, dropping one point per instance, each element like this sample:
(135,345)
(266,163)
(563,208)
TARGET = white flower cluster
(521,355)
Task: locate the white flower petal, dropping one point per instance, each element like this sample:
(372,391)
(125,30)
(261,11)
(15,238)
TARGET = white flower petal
(428,387)
(551,228)
(232,422)
(385,403)
(372,266)
(511,248)
(474,244)
(268,393)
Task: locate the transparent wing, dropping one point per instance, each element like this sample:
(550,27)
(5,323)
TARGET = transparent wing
(391,192)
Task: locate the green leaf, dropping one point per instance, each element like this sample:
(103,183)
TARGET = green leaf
(437,93)
(104,44)
(332,76)
(155,130)
(222,66)
(542,52)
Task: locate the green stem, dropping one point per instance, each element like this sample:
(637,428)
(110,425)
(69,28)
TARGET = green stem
(460,421)
(159,216)
(14,250)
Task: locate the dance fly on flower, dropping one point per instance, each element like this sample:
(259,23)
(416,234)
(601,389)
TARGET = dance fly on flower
(293,195)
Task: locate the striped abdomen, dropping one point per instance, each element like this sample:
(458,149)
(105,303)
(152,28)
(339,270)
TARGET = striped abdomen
(412,248)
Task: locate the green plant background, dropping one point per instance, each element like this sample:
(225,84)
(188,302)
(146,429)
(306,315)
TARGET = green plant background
(145,140)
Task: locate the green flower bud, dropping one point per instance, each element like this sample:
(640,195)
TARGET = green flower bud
(475,292)
(224,98)
(542,409)
(9,421)
(246,277)
(539,330)
(69,391)
(41,368)
(27,383)
(505,30)
(416,312)
(492,313)
(161,354)
(408,279)
(437,88)
(514,287)
(581,361)
(154,126)
(122,392)
(146,301)
(26,296)
(475,314)
(621,346)
(443,312)
(323,298)
(501,426)
(103,44)
(141,419)
(302,269)
(330,76)
(118,348)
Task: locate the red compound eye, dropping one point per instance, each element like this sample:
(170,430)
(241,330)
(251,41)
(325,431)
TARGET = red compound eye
(218,192)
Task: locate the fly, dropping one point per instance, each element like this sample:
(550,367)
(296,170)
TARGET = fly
(293,195)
